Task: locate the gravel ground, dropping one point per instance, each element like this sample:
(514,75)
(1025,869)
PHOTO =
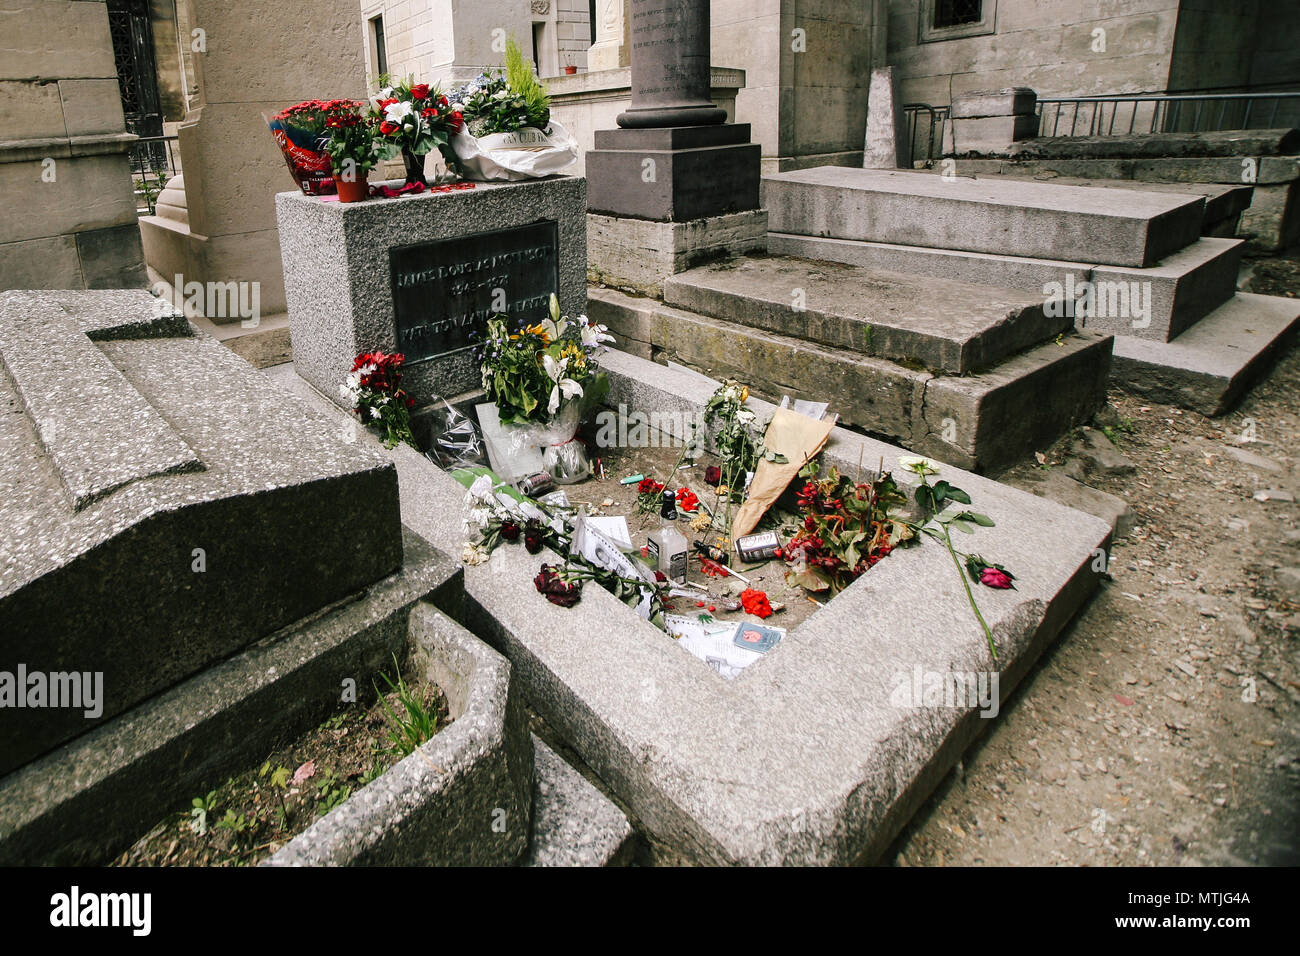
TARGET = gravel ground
(1163,727)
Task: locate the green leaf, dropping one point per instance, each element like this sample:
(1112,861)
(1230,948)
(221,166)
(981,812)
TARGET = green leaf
(956,494)
(984,521)
(961,526)
(806,579)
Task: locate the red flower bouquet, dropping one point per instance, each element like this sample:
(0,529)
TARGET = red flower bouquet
(412,120)
(373,387)
(301,131)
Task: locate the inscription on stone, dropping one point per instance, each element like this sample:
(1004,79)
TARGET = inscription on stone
(445,289)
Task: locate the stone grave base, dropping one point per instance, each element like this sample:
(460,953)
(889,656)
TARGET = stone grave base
(815,754)
(639,254)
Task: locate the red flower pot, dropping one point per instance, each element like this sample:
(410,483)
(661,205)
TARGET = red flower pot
(354,191)
(570,70)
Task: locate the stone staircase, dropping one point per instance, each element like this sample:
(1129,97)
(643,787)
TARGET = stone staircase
(1133,261)
(977,386)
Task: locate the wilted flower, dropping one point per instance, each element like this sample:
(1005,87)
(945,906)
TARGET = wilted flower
(557,590)
(917,465)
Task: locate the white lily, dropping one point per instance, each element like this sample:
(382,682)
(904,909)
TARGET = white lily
(396,112)
(554,326)
(563,387)
(593,335)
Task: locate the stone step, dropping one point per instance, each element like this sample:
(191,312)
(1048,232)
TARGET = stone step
(1222,200)
(980,421)
(1211,366)
(889,315)
(1185,286)
(1036,220)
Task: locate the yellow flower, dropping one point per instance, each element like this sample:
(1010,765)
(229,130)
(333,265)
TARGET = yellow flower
(537,330)
(744,394)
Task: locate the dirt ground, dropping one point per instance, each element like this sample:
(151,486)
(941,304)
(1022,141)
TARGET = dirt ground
(1163,727)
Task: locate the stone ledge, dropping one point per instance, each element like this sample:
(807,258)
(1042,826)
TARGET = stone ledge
(574,824)
(445,804)
(87,801)
(64,147)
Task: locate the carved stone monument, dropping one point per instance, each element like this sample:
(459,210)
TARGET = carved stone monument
(419,275)
(675,184)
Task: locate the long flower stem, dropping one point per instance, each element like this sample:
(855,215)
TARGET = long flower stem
(961,573)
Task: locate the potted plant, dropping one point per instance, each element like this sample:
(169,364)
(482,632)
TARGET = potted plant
(540,376)
(412,120)
(300,132)
(509,133)
(350,143)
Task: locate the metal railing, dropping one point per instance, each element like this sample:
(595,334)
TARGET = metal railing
(925,131)
(154,160)
(1165,113)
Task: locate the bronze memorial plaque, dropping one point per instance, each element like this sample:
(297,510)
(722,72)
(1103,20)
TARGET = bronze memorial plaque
(445,289)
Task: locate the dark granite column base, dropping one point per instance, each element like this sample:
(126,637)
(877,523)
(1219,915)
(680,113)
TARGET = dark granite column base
(703,114)
(673,174)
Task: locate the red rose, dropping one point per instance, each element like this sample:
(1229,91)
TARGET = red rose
(755,602)
(995,578)
(387,128)
(558,591)
(510,531)
(712,475)
(533,537)
(420,91)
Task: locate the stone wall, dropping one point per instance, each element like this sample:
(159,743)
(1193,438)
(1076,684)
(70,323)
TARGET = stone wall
(261,55)
(450,41)
(1043,44)
(808,67)
(1151,46)
(65,184)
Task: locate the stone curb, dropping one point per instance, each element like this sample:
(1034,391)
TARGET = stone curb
(465,797)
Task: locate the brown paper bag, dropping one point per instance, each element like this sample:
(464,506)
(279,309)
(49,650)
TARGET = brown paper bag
(798,438)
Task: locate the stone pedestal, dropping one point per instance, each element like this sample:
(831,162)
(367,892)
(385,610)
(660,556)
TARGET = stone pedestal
(662,185)
(992,121)
(418,275)
(673,174)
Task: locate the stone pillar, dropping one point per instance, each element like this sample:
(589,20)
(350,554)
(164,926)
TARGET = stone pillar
(670,69)
(612,49)
(887,145)
(675,185)
(232,167)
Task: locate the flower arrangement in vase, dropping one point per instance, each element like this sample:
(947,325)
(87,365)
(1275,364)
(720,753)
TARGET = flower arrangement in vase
(539,376)
(413,120)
